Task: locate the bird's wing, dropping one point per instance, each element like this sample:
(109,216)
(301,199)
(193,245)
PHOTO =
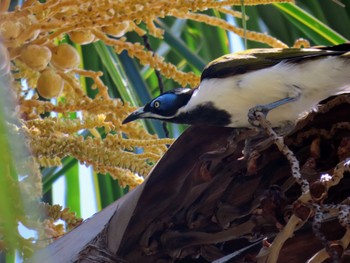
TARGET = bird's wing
(255,59)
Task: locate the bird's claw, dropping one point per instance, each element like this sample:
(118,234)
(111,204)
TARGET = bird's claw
(253,116)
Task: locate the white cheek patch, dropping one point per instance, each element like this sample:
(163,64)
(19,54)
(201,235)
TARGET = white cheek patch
(150,115)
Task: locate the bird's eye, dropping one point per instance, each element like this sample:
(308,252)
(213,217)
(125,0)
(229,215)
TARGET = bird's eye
(156,104)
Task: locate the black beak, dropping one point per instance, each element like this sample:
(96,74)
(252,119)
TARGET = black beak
(134,116)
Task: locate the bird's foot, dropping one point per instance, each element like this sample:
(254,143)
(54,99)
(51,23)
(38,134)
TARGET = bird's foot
(253,114)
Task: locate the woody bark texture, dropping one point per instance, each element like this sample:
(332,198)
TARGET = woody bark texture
(205,201)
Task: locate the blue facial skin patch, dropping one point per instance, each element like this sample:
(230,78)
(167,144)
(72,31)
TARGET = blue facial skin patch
(165,101)
(167,104)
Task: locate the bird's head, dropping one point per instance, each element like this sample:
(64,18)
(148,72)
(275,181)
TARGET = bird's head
(164,107)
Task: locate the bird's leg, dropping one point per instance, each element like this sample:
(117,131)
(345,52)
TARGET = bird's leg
(265,108)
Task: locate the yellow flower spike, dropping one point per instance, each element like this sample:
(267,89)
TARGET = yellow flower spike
(95,133)
(70,218)
(95,76)
(124,177)
(301,42)
(49,162)
(153,30)
(51,230)
(147,57)
(91,151)
(231,12)
(25,72)
(73,83)
(214,21)
(108,128)
(112,140)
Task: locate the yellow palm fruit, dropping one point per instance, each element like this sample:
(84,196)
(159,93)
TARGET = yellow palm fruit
(82,37)
(27,21)
(10,29)
(117,30)
(49,84)
(65,57)
(35,56)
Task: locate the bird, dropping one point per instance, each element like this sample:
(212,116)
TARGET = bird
(286,83)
